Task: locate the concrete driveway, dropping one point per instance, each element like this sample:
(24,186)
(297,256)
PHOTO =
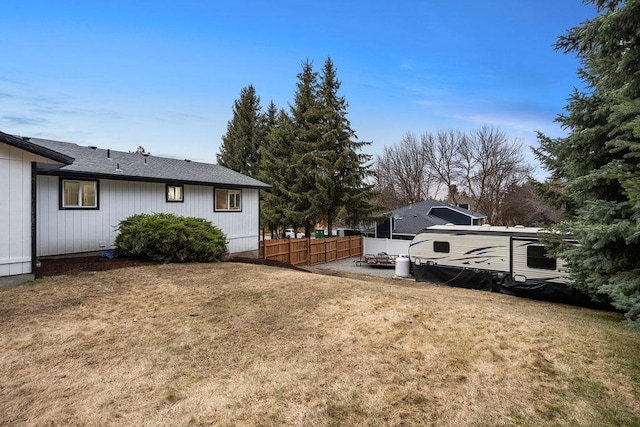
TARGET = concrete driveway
(354,266)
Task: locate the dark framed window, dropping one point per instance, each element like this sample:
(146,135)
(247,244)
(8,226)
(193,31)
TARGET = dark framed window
(228,200)
(537,258)
(175,193)
(442,247)
(78,194)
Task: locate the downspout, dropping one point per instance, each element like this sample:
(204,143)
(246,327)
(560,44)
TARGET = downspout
(259,219)
(33,219)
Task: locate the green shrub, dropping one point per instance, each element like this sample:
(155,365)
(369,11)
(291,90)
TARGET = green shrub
(169,238)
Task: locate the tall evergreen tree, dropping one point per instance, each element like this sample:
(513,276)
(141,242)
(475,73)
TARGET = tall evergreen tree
(598,164)
(246,132)
(342,171)
(307,118)
(266,171)
(278,171)
(270,117)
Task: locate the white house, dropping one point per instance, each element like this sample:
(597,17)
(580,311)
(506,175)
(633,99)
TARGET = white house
(65,198)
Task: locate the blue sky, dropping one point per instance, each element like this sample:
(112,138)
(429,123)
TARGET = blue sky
(164,74)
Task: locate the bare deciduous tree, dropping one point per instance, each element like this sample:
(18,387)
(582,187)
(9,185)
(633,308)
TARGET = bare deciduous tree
(492,164)
(403,174)
(441,154)
(523,205)
(483,167)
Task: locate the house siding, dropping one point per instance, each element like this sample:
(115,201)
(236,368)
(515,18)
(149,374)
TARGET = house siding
(73,231)
(15,211)
(450,215)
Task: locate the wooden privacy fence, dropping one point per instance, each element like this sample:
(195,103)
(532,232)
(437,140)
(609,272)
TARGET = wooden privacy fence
(311,251)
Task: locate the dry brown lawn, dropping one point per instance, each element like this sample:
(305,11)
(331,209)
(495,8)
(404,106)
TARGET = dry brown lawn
(235,344)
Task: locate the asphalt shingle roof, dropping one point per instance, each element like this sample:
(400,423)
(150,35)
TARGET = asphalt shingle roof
(414,222)
(413,218)
(93,161)
(426,205)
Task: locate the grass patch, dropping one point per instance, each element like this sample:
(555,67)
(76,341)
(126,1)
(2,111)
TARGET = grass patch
(234,344)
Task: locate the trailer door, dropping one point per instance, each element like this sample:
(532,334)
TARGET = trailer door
(530,261)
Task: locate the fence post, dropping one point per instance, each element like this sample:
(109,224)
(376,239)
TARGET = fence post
(324,245)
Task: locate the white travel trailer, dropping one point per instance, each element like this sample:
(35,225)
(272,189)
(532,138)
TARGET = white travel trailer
(510,260)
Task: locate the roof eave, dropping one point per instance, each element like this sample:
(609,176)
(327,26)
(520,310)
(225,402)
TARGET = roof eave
(124,177)
(26,145)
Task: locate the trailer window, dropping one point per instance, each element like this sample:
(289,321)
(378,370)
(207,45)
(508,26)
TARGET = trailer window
(441,247)
(537,258)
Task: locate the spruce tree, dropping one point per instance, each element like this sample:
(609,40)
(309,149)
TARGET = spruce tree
(265,170)
(307,118)
(598,163)
(277,170)
(270,117)
(246,132)
(342,170)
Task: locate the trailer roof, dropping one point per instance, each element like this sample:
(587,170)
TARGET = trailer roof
(518,229)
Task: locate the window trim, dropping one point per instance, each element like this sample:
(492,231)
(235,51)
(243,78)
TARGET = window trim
(229,192)
(166,193)
(62,205)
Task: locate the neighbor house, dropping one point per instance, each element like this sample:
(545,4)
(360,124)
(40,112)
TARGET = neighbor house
(404,223)
(65,198)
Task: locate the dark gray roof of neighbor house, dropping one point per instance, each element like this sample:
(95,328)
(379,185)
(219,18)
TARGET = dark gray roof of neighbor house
(427,205)
(413,222)
(411,219)
(459,209)
(26,145)
(106,163)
